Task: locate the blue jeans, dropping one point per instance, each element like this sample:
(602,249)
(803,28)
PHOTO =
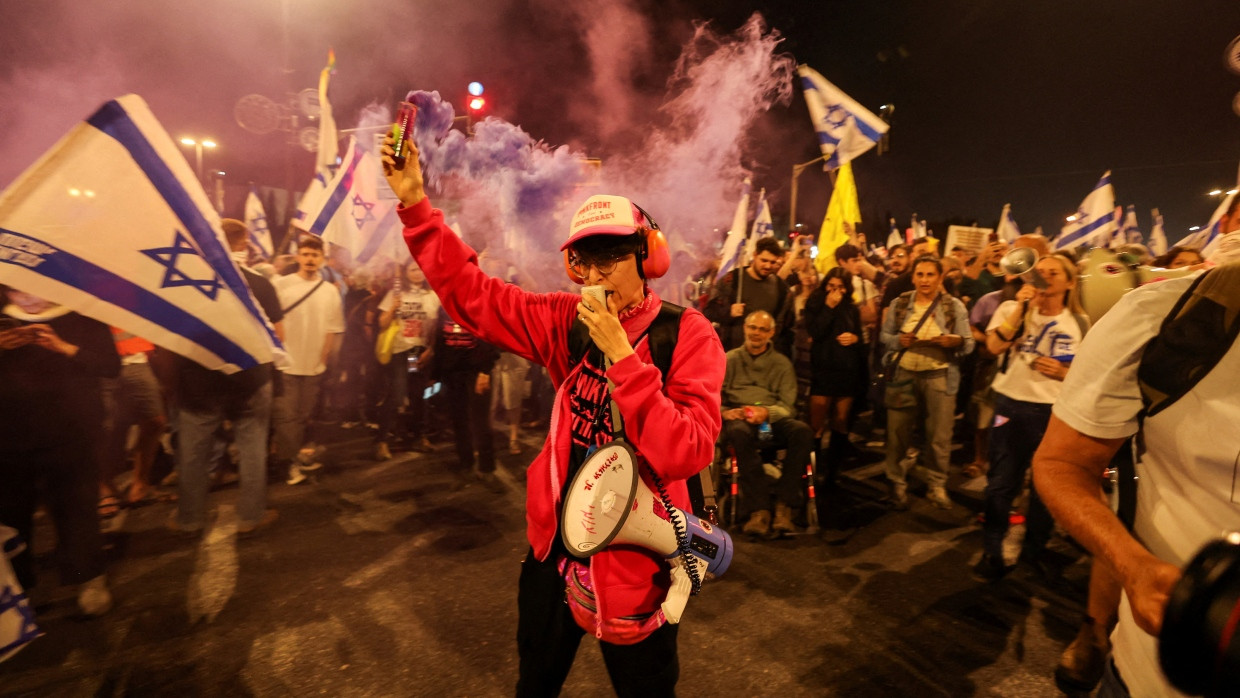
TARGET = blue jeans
(1012,444)
(251,417)
(1112,685)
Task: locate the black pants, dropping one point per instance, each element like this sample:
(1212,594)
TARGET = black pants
(67,478)
(471,420)
(789,433)
(547,640)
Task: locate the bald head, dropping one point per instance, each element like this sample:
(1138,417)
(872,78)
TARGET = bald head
(759,329)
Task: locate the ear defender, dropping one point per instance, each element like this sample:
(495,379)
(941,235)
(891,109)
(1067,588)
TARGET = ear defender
(568,269)
(655,258)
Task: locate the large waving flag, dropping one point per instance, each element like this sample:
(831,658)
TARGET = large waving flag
(351,213)
(1158,236)
(112,223)
(1007,230)
(328,154)
(734,245)
(843,212)
(762,227)
(1095,219)
(845,128)
(256,221)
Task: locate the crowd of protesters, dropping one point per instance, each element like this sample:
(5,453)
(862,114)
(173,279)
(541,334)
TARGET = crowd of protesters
(912,352)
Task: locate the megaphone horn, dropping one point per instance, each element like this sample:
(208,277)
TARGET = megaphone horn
(1018,261)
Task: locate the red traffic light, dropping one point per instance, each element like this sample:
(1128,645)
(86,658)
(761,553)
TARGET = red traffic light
(476,104)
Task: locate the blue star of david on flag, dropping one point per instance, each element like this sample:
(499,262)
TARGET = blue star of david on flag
(362,211)
(174,277)
(836,116)
(258,225)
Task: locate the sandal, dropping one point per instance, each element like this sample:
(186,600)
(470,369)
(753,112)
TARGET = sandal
(109,507)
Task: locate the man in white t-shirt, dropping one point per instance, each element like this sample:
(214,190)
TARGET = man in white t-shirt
(313,322)
(415,307)
(1186,492)
(1035,337)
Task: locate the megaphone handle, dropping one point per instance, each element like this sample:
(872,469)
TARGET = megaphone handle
(678,593)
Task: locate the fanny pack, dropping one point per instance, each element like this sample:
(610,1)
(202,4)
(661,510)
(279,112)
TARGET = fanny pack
(582,601)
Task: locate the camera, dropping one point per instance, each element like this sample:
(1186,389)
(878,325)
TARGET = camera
(1197,646)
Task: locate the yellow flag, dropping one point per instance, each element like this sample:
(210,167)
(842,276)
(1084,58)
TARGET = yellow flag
(843,210)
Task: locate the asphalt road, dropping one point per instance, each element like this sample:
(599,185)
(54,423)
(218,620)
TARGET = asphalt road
(399,579)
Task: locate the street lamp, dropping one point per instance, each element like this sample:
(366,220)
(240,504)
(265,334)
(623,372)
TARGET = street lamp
(1070,218)
(198,145)
(1216,192)
(796,174)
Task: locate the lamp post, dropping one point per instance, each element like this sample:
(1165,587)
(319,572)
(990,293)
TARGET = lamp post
(796,173)
(198,145)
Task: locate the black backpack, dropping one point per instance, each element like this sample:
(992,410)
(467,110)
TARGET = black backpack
(1193,338)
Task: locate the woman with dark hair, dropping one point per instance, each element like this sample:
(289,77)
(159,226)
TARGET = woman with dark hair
(838,359)
(1177,257)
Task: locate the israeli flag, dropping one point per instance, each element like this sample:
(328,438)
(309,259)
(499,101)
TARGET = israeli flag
(895,237)
(1095,219)
(734,245)
(1129,233)
(762,227)
(350,212)
(845,128)
(1158,236)
(1207,239)
(112,223)
(256,221)
(1007,231)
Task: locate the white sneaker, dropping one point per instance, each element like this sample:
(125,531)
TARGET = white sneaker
(94,598)
(295,475)
(309,458)
(938,497)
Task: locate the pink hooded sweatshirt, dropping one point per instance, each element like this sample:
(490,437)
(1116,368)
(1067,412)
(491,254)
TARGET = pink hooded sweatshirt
(672,427)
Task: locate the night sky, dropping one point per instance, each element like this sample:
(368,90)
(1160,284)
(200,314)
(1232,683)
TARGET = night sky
(996,102)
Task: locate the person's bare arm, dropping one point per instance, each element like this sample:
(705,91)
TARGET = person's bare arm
(1066,471)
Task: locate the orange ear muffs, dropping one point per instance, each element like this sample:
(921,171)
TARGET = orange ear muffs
(572,275)
(656,257)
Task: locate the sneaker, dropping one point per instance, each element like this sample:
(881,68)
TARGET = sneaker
(990,569)
(94,598)
(382,452)
(897,494)
(309,458)
(296,475)
(269,517)
(759,524)
(1082,663)
(349,425)
(491,482)
(421,445)
(938,497)
(783,519)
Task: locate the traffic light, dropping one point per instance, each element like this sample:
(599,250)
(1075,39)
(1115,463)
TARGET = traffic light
(476,104)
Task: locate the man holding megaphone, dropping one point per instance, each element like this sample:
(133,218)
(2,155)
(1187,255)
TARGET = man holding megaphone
(609,383)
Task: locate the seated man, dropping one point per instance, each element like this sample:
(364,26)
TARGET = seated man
(760,387)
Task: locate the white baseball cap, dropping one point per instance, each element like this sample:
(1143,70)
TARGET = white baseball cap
(603,214)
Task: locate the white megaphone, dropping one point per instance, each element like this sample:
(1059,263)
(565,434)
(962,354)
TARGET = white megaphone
(607,503)
(1105,277)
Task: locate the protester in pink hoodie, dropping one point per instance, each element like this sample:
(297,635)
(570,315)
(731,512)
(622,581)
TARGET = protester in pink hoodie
(672,423)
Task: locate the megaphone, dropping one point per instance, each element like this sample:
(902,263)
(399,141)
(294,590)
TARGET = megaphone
(1020,261)
(1106,277)
(608,504)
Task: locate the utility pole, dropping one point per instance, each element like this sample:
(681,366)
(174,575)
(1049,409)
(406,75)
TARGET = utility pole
(796,174)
